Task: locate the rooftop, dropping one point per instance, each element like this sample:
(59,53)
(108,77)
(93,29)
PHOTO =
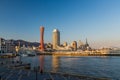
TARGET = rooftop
(55,30)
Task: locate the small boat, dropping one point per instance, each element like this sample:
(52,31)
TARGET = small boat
(23,55)
(27,53)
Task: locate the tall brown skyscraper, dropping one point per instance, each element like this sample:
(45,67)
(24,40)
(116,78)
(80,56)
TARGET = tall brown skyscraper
(41,38)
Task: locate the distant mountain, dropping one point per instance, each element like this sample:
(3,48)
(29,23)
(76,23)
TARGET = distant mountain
(26,43)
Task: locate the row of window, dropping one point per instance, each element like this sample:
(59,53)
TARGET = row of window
(3,47)
(1,51)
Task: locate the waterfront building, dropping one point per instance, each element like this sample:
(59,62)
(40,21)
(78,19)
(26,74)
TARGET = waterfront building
(80,43)
(86,44)
(65,44)
(2,45)
(41,38)
(83,46)
(87,47)
(6,46)
(74,45)
(56,38)
(34,48)
(17,48)
(48,47)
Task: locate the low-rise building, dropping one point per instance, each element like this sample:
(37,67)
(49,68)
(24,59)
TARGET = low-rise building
(74,45)
(6,46)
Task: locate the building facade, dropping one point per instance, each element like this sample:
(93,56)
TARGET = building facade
(85,46)
(65,44)
(56,38)
(6,46)
(74,45)
(2,45)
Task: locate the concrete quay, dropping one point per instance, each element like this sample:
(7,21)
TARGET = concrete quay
(79,53)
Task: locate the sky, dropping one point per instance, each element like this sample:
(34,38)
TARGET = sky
(96,20)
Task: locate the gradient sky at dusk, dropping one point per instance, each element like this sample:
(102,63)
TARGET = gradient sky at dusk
(96,20)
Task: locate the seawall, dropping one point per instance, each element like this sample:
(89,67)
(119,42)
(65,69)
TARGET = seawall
(71,53)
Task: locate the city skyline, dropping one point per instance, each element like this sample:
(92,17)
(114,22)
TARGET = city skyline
(96,20)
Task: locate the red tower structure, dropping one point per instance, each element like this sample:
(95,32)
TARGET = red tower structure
(41,38)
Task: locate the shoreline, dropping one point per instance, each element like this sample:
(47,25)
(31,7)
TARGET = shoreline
(78,54)
(72,53)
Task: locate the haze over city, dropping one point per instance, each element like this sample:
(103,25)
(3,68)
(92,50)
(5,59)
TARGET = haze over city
(96,20)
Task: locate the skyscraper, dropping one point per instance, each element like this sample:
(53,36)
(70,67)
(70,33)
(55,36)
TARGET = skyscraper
(42,38)
(56,38)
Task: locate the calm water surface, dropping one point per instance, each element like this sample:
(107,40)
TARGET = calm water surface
(108,67)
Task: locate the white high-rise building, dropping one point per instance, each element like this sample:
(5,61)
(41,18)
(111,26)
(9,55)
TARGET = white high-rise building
(56,38)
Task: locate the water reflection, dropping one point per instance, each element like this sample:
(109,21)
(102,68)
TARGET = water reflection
(41,58)
(108,67)
(17,59)
(55,63)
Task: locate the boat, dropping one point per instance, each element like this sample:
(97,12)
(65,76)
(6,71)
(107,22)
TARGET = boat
(27,52)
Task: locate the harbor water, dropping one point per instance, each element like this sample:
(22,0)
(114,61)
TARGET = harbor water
(96,66)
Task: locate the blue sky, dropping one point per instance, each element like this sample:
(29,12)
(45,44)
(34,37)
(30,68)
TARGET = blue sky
(96,20)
